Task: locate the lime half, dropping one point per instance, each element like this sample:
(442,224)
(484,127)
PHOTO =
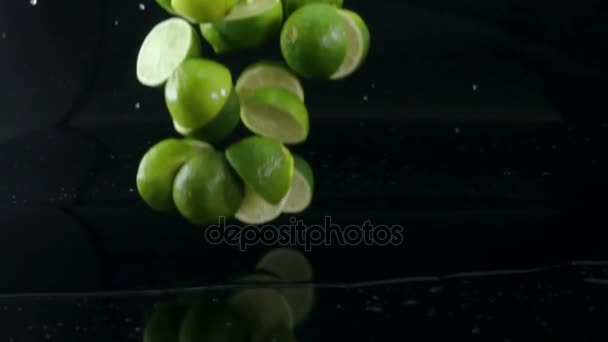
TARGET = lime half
(358,38)
(265,74)
(213,323)
(167,45)
(264,164)
(223,124)
(164,323)
(216,40)
(302,187)
(255,210)
(276,113)
(202,11)
(291,266)
(251,23)
(166,5)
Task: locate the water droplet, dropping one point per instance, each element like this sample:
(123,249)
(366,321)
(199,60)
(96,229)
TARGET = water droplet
(339,307)
(365,97)
(475,330)
(435,289)
(77,328)
(137,329)
(508,173)
(116,23)
(457,130)
(137,105)
(475,87)
(19,309)
(60,324)
(228,323)
(45,327)
(410,302)
(47,336)
(33,2)
(131,190)
(29,327)
(142,6)
(3,35)
(128,320)
(547,174)
(374,309)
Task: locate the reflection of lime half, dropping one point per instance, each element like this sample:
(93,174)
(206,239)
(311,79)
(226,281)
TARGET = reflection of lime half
(255,210)
(164,323)
(266,74)
(206,189)
(292,266)
(263,309)
(251,23)
(158,169)
(278,334)
(276,113)
(302,187)
(264,164)
(213,323)
(358,38)
(166,46)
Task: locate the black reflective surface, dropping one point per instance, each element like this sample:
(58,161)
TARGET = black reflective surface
(479,128)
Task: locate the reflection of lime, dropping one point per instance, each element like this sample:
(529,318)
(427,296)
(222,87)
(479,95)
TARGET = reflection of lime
(302,187)
(206,189)
(213,323)
(202,11)
(262,309)
(276,113)
(223,124)
(314,41)
(255,210)
(292,5)
(164,323)
(266,74)
(166,46)
(264,164)
(196,93)
(292,266)
(357,34)
(278,334)
(158,168)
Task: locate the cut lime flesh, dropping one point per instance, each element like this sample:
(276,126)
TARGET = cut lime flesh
(357,36)
(255,210)
(268,74)
(166,46)
(300,194)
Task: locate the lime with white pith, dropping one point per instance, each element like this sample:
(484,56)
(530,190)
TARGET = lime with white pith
(301,191)
(358,37)
(268,74)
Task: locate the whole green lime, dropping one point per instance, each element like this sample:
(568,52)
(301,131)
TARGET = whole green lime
(201,11)
(314,41)
(292,5)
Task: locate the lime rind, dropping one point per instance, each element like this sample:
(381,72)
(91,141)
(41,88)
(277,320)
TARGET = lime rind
(166,5)
(268,73)
(166,46)
(301,192)
(358,38)
(255,210)
(276,113)
(224,123)
(216,40)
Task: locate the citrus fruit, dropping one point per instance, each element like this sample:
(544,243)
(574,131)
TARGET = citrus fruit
(164,323)
(166,5)
(292,5)
(196,93)
(302,187)
(206,189)
(166,46)
(216,40)
(255,210)
(314,41)
(223,124)
(289,265)
(268,73)
(158,168)
(358,38)
(251,23)
(276,113)
(264,164)
(201,11)
(262,309)
(213,323)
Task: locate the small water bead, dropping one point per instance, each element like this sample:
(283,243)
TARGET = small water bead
(142,6)
(33,2)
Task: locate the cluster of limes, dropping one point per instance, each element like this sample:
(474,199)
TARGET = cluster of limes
(257,178)
(253,313)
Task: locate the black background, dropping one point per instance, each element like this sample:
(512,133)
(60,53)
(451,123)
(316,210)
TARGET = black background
(478,126)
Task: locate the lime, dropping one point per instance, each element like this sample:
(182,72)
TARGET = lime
(216,40)
(251,23)
(264,164)
(158,168)
(278,334)
(314,40)
(206,189)
(213,323)
(268,73)
(196,93)
(262,309)
(258,277)
(168,44)
(201,11)
(293,5)
(291,266)
(166,5)
(164,323)
(302,187)
(223,124)
(255,210)
(358,37)
(276,113)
